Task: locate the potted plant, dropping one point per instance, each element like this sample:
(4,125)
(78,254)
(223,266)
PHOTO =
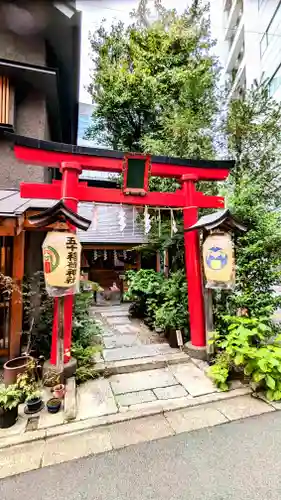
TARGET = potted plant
(59,391)
(10,398)
(34,402)
(14,367)
(51,378)
(27,384)
(53,405)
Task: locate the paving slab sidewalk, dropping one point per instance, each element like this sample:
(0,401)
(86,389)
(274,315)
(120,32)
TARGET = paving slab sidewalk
(50,449)
(155,386)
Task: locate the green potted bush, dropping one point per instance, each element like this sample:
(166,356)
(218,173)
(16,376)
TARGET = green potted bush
(10,398)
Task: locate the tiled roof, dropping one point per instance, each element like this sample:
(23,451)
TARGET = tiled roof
(107,228)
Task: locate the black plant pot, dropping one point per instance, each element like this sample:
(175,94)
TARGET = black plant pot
(34,405)
(8,417)
(53,405)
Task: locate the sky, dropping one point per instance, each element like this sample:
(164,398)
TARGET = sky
(94,11)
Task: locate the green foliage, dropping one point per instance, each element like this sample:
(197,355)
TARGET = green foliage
(248,346)
(34,395)
(85,362)
(85,333)
(145,288)
(51,378)
(10,397)
(172,312)
(253,134)
(219,371)
(38,314)
(38,311)
(28,386)
(153,83)
(85,329)
(163,300)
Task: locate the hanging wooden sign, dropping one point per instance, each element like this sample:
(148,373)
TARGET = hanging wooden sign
(136,173)
(61,259)
(218,258)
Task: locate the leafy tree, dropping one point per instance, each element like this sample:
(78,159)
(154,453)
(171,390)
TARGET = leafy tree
(253,132)
(154,83)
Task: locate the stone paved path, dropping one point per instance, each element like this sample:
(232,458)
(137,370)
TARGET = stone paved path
(142,376)
(126,339)
(160,378)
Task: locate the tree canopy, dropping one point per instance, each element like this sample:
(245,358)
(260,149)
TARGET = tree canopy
(155,90)
(154,83)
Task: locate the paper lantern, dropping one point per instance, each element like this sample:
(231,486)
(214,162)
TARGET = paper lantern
(218,258)
(61,259)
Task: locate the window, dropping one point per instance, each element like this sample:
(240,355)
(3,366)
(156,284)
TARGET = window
(6,104)
(275,82)
(272,33)
(263,44)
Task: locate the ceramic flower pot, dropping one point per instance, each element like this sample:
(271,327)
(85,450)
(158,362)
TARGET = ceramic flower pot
(53,405)
(14,367)
(33,405)
(59,391)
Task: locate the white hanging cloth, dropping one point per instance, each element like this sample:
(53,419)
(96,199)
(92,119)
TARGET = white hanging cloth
(134,215)
(174,228)
(147,221)
(115,258)
(95,217)
(122,219)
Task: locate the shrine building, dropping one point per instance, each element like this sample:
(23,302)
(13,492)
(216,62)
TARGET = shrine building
(39,89)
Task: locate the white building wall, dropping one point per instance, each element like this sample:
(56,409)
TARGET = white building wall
(270,45)
(249,43)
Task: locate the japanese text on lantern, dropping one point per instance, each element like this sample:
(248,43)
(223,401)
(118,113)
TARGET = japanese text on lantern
(61,258)
(72,261)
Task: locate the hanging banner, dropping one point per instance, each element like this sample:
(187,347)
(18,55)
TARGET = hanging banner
(218,258)
(61,263)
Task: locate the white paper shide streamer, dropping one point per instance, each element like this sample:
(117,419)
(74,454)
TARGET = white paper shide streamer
(95,217)
(174,228)
(147,221)
(122,219)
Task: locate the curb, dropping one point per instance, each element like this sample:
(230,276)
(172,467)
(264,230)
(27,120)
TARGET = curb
(141,364)
(148,410)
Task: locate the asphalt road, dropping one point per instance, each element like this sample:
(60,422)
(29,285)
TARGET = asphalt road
(240,460)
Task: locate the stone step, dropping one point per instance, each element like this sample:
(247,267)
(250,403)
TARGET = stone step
(135,352)
(117,313)
(141,364)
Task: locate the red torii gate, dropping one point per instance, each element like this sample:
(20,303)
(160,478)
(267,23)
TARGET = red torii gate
(71,160)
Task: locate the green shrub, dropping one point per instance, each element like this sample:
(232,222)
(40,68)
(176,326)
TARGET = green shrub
(162,300)
(85,362)
(173,312)
(85,329)
(249,347)
(10,397)
(145,288)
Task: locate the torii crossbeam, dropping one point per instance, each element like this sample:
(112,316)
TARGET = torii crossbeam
(71,160)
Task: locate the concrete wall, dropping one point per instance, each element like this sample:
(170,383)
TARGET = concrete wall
(26,49)
(31,115)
